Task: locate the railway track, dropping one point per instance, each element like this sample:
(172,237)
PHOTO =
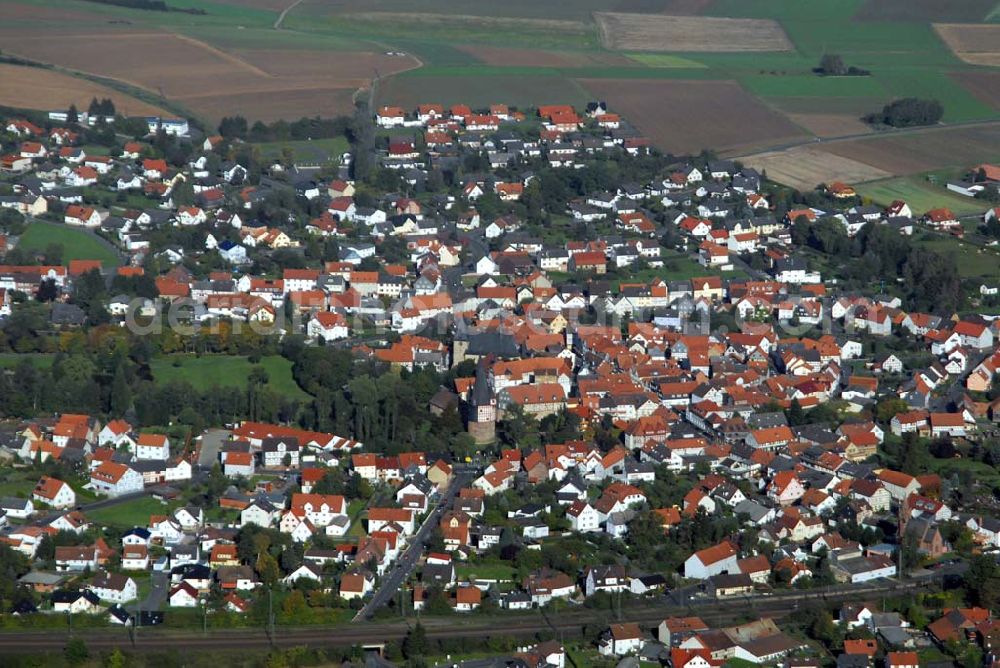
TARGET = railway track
(570,623)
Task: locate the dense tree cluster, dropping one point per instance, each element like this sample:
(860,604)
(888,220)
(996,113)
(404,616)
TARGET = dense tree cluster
(832,65)
(931,280)
(908,112)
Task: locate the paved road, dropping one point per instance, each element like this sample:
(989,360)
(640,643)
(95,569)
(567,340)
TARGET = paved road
(156,597)
(284,13)
(408,560)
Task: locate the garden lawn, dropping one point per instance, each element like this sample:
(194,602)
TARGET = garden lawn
(40,360)
(226,371)
(132,513)
(77,244)
(495,571)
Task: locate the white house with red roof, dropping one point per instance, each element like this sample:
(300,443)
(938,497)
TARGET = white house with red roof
(54,493)
(715,560)
(115,479)
(328,326)
(152,446)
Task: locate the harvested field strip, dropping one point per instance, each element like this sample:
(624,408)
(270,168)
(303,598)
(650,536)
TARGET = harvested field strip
(665,60)
(547,25)
(973,43)
(643,32)
(804,167)
(39,88)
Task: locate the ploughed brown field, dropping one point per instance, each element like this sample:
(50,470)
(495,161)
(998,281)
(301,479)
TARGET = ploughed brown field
(984,85)
(37,88)
(260,84)
(688,116)
(831,125)
(659,32)
(974,43)
(805,167)
(924,150)
(509,57)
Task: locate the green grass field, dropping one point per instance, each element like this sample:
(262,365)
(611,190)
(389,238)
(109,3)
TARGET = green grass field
(131,513)
(974,262)
(315,150)
(920,194)
(666,60)
(495,571)
(40,360)
(77,244)
(226,371)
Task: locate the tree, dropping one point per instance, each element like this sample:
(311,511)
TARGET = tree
(76,652)
(832,65)
(48,291)
(233,127)
(116,659)
(72,115)
(415,643)
(121,394)
(267,569)
(795,414)
(982,581)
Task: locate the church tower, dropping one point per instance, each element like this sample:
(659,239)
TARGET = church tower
(481,412)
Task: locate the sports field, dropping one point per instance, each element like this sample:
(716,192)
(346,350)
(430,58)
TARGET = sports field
(77,244)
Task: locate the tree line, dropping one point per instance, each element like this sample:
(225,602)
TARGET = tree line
(150,5)
(237,127)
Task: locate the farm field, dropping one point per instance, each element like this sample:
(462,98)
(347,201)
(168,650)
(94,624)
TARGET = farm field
(500,56)
(226,371)
(688,116)
(805,167)
(38,88)
(984,85)
(974,43)
(700,64)
(410,90)
(644,32)
(77,244)
(831,125)
(924,10)
(924,150)
(264,84)
(920,194)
